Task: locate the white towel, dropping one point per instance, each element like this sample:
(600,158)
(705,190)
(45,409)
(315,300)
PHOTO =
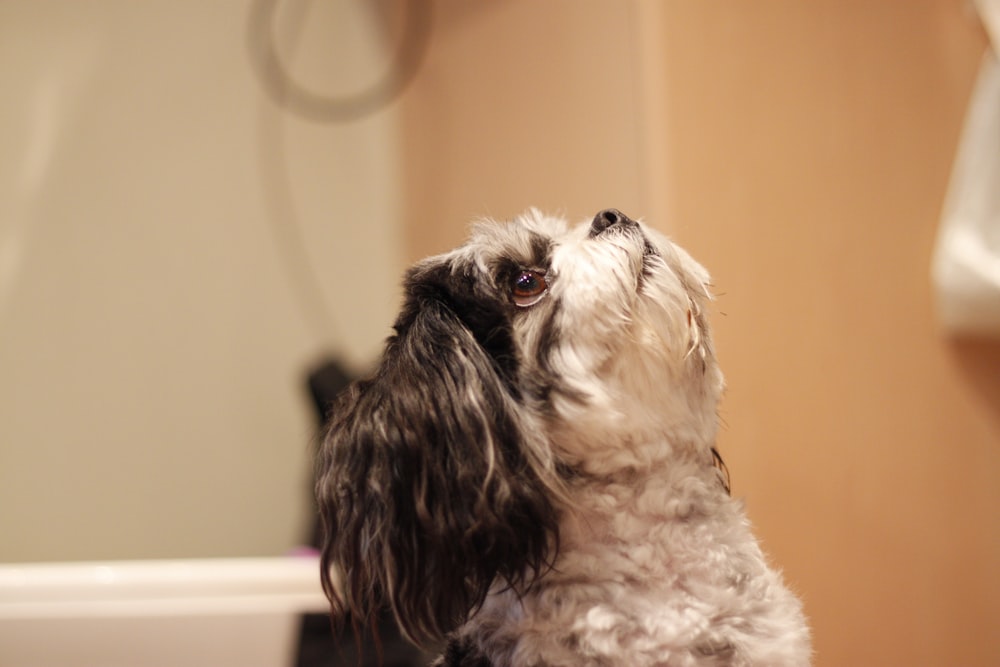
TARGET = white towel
(966,263)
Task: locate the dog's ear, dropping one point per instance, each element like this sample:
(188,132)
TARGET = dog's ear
(427,489)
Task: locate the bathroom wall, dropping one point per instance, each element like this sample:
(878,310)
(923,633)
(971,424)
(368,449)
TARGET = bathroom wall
(801,151)
(153,337)
(523,104)
(176,251)
(809,148)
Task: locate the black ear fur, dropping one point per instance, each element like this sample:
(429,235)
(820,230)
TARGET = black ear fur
(426,491)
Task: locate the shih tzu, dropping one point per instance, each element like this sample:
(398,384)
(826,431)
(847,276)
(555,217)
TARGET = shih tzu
(530,474)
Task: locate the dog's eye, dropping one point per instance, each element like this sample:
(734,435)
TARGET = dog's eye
(528,288)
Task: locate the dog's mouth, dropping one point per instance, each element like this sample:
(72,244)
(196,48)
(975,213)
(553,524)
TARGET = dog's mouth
(648,250)
(613,221)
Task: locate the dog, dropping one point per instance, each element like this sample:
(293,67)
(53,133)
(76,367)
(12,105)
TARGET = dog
(530,475)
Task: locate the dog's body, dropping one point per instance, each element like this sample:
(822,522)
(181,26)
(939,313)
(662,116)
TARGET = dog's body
(531,472)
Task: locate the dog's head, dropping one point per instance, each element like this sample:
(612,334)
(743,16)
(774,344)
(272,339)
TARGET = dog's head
(534,355)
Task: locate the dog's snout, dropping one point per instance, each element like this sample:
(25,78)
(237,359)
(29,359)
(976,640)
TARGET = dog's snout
(609,218)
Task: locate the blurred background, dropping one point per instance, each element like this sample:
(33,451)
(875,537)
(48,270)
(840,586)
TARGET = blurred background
(200,202)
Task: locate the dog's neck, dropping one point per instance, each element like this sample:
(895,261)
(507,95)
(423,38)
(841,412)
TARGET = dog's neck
(620,507)
(638,443)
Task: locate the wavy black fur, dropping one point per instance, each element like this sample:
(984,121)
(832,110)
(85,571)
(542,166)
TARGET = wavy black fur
(426,490)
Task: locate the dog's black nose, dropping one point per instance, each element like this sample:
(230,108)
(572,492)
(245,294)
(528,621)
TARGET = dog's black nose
(609,218)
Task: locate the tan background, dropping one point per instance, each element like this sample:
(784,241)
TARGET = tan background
(152,335)
(801,150)
(175,253)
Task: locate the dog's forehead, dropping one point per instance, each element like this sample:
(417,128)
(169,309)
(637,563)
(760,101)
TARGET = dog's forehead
(526,240)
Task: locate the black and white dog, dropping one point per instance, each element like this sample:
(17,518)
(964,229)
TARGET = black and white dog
(531,471)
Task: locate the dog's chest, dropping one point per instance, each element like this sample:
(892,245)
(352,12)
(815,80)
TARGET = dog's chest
(644,588)
(588,624)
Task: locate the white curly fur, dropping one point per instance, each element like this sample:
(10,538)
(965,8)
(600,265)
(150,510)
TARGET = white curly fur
(656,564)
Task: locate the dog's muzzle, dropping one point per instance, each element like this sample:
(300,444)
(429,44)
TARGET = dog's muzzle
(607,219)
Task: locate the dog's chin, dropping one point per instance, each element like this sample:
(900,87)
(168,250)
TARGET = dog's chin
(636,366)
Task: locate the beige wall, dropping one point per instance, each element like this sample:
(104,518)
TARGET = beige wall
(157,317)
(522,104)
(801,150)
(809,148)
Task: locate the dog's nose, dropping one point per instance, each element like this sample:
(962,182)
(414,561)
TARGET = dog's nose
(609,218)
